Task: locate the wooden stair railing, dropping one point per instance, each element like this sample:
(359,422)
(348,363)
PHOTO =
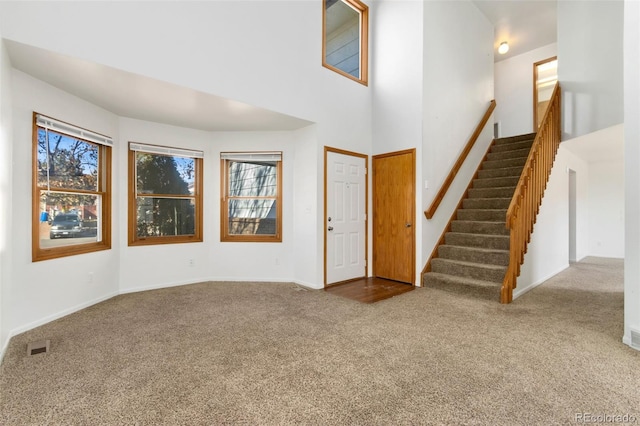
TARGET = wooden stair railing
(525,204)
(458,164)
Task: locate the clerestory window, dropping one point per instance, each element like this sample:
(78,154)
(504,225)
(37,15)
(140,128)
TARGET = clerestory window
(251,205)
(71,190)
(165,195)
(345,38)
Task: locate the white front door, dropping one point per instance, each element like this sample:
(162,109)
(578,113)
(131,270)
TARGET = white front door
(345,220)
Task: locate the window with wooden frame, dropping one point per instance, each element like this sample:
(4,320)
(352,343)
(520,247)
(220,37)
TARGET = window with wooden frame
(165,195)
(251,206)
(71,208)
(345,37)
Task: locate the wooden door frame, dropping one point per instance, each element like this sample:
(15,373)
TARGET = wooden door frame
(411,151)
(535,90)
(327,150)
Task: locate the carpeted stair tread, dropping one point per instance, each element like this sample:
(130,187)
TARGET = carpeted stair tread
(503,155)
(501,164)
(478,271)
(500,242)
(496,182)
(479,227)
(493,192)
(435,279)
(482,214)
(486,203)
(500,172)
(518,138)
(474,254)
(512,146)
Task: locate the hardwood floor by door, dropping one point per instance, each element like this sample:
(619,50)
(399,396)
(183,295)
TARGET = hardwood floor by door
(369,290)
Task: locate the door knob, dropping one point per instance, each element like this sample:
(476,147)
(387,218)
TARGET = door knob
(330,228)
(407,225)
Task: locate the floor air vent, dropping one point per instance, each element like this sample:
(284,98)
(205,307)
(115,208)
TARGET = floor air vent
(635,339)
(39,347)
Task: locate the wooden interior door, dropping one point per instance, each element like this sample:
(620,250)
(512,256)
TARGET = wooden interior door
(394,216)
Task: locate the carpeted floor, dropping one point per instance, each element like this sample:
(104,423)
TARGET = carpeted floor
(256,353)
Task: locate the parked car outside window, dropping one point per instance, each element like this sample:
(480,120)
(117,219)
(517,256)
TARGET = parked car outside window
(69,225)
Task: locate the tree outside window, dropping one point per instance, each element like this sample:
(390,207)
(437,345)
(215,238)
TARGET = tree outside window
(165,195)
(71,193)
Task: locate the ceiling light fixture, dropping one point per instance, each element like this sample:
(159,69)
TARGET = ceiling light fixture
(503,48)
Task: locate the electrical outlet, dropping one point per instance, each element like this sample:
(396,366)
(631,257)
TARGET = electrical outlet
(90,278)
(192,262)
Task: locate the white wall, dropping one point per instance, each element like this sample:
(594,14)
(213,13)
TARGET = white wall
(632,168)
(548,251)
(308,241)
(6,190)
(456,90)
(606,208)
(41,291)
(49,289)
(144,267)
(514,90)
(239,50)
(590,65)
(397,79)
(428,99)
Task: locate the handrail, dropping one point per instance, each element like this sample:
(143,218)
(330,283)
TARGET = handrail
(456,167)
(525,204)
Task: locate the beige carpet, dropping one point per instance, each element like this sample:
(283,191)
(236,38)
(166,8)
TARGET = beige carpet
(255,353)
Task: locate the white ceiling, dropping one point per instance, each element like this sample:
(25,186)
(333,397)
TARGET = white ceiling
(135,96)
(524,24)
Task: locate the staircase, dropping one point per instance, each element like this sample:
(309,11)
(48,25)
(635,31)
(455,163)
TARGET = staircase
(475,254)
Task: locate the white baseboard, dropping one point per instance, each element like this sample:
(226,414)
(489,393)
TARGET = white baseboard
(52,317)
(519,291)
(84,305)
(163,285)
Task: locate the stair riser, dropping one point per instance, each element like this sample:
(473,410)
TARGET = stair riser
(492,192)
(498,215)
(496,173)
(520,153)
(469,254)
(444,266)
(473,227)
(498,242)
(497,182)
(512,146)
(486,203)
(501,164)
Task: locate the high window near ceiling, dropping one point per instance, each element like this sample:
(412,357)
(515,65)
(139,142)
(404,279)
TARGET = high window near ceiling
(71,212)
(165,195)
(251,205)
(345,38)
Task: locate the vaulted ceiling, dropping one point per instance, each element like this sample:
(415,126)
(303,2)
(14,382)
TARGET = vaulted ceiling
(525,24)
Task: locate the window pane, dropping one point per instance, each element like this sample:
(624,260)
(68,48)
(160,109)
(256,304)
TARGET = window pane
(157,217)
(342,35)
(67,219)
(252,217)
(72,163)
(252,179)
(163,174)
